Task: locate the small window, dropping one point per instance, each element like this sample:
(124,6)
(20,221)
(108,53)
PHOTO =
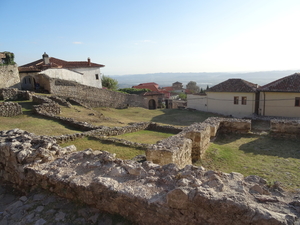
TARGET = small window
(24,80)
(244,100)
(97,76)
(297,101)
(29,80)
(236,100)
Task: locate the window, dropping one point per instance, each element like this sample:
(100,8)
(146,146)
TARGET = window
(297,101)
(244,100)
(236,100)
(97,76)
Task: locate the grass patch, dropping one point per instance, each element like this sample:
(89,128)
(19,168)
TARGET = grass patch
(34,123)
(145,136)
(121,151)
(272,159)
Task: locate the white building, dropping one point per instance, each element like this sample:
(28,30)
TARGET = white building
(84,72)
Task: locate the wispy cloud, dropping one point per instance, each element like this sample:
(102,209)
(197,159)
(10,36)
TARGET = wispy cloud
(144,41)
(77,43)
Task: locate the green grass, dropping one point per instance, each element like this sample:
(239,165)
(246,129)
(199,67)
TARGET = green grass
(145,136)
(120,150)
(272,159)
(34,123)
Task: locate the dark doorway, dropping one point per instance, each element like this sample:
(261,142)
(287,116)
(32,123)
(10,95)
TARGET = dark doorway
(152,104)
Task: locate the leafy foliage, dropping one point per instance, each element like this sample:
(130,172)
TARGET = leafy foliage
(9,58)
(134,90)
(109,83)
(192,86)
(182,96)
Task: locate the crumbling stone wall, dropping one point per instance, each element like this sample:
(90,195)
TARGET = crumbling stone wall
(95,97)
(199,134)
(144,193)
(46,106)
(14,94)
(285,128)
(9,76)
(9,109)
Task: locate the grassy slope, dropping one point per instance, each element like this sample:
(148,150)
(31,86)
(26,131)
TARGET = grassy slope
(273,159)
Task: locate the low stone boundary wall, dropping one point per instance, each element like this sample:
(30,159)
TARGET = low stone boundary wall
(285,128)
(166,129)
(9,109)
(144,193)
(61,101)
(199,134)
(14,94)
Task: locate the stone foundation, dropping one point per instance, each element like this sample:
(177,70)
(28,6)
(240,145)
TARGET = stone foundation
(285,128)
(9,109)
(199,134)
(14,94)
(144,193)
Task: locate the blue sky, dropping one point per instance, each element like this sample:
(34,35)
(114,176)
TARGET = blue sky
(137,36)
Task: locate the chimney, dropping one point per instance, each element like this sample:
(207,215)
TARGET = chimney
(89,61)
(46,59)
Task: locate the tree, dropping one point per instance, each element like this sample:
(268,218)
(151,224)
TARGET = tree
(134,90)
(192,86)
(109,83)
(182,96)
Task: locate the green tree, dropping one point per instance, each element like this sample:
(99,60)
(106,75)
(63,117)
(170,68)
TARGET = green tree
(134,90)
(109,83)
(182,96)
(192,86)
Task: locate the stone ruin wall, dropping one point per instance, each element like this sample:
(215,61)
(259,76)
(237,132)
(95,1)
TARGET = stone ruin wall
(9,109)
(176,150)
(45,106)
(14,94)
(144,193)
(283,128)
(95,97)
(9,75)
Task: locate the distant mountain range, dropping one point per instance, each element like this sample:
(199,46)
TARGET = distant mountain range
(202,79)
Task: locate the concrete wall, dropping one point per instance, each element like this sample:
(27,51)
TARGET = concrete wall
(222,103)
(279,104)
(9,76)
(198,102)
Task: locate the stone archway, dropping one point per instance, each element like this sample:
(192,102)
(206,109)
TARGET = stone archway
(152,104)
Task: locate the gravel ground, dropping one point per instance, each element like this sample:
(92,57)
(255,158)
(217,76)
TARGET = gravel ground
(40,207)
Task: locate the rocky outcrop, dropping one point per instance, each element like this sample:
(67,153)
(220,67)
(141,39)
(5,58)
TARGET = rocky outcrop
(9,109)
(145,193)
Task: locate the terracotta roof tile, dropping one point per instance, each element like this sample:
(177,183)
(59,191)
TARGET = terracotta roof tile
(234,85)
(289,83)
(39,65)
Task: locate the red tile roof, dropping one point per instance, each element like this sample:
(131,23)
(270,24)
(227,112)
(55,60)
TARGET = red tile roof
(39,65)
(289,83)
(234,85)
(150,86)
(152,93)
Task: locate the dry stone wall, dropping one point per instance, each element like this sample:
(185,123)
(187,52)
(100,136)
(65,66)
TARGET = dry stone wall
(14,94)
(9,75)
(167,151)
(9,109)
(95,97)
(145,193)
(285,128)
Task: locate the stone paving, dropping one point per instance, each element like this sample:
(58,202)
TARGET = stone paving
(39,208)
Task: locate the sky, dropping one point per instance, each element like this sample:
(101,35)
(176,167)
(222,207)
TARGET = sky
(157,36)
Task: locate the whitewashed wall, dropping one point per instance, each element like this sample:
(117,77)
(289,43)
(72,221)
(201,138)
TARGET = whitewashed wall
(89,76)
(198,102)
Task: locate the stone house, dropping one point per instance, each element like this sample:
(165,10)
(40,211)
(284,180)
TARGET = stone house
(281,97)
(233,97)
(37,74)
